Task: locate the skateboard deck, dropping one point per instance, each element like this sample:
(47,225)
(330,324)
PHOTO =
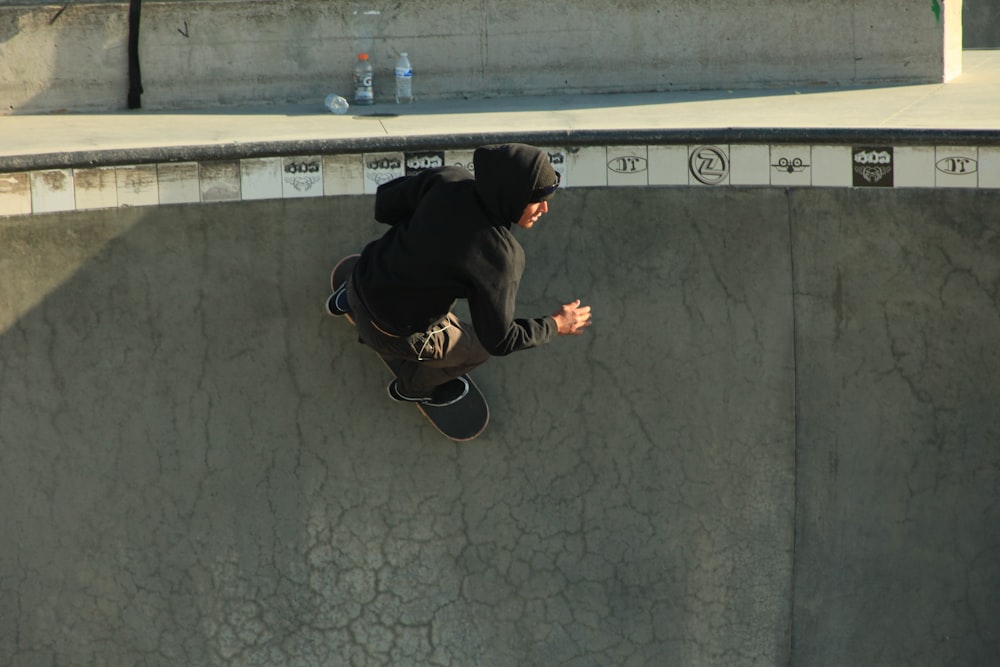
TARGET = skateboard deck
(460,421)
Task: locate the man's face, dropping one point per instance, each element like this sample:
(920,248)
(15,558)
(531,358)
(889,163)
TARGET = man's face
(532,212)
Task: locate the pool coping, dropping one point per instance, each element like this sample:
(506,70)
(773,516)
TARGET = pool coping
(337,146)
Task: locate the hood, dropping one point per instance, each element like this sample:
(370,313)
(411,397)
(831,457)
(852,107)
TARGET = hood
(506,177)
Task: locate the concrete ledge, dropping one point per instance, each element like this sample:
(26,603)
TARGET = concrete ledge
(920,122)
(230,53)
(962,112)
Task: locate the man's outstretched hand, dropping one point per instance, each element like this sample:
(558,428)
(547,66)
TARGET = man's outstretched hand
(572,318)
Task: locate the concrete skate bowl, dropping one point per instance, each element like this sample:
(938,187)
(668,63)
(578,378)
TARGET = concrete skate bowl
(778,444)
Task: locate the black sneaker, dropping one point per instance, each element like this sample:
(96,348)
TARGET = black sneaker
(336,303)
(446,394)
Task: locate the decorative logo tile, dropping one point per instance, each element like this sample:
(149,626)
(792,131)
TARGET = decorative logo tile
(460,159)
(628,166)
(557,158)
(791,166)
(588,166)
(381,168)
(956,167)
(301,177)
(419,161)
(873,166)
(709,165)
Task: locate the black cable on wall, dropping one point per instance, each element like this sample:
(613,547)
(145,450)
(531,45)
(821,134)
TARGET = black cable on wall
(134,75)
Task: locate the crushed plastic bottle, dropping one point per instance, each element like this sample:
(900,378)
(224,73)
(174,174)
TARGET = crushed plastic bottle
(336,104)
(364,91)
(404,80)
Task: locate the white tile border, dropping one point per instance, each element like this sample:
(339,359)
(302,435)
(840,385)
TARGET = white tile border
(831,167)
(666,165)
(95,188)
(15,193)
(260,178)
(586,167)
(750,164)
(914,166)
(52,190)
(220,181)
(989,167)
(178,183)
(137,185)
(343,175)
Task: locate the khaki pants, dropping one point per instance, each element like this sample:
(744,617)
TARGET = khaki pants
(448,349)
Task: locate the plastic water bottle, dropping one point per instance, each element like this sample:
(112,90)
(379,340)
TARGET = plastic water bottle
(364,93)
(334,103)
(404,80)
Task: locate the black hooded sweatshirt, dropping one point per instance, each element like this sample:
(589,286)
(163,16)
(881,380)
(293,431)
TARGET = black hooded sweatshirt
(450,239)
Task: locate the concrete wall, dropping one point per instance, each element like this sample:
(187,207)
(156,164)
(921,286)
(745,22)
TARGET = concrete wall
(234,52)
(777,445)
(981,22)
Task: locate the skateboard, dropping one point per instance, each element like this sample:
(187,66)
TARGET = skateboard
(459,421)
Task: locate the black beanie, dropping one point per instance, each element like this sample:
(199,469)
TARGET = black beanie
(546,182)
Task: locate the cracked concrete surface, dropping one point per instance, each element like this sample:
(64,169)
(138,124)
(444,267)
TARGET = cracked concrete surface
(899,428)
(777,445)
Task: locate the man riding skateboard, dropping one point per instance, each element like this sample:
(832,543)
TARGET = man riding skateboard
(450,238)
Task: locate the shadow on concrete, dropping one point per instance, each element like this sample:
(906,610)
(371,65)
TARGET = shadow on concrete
(535,103)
